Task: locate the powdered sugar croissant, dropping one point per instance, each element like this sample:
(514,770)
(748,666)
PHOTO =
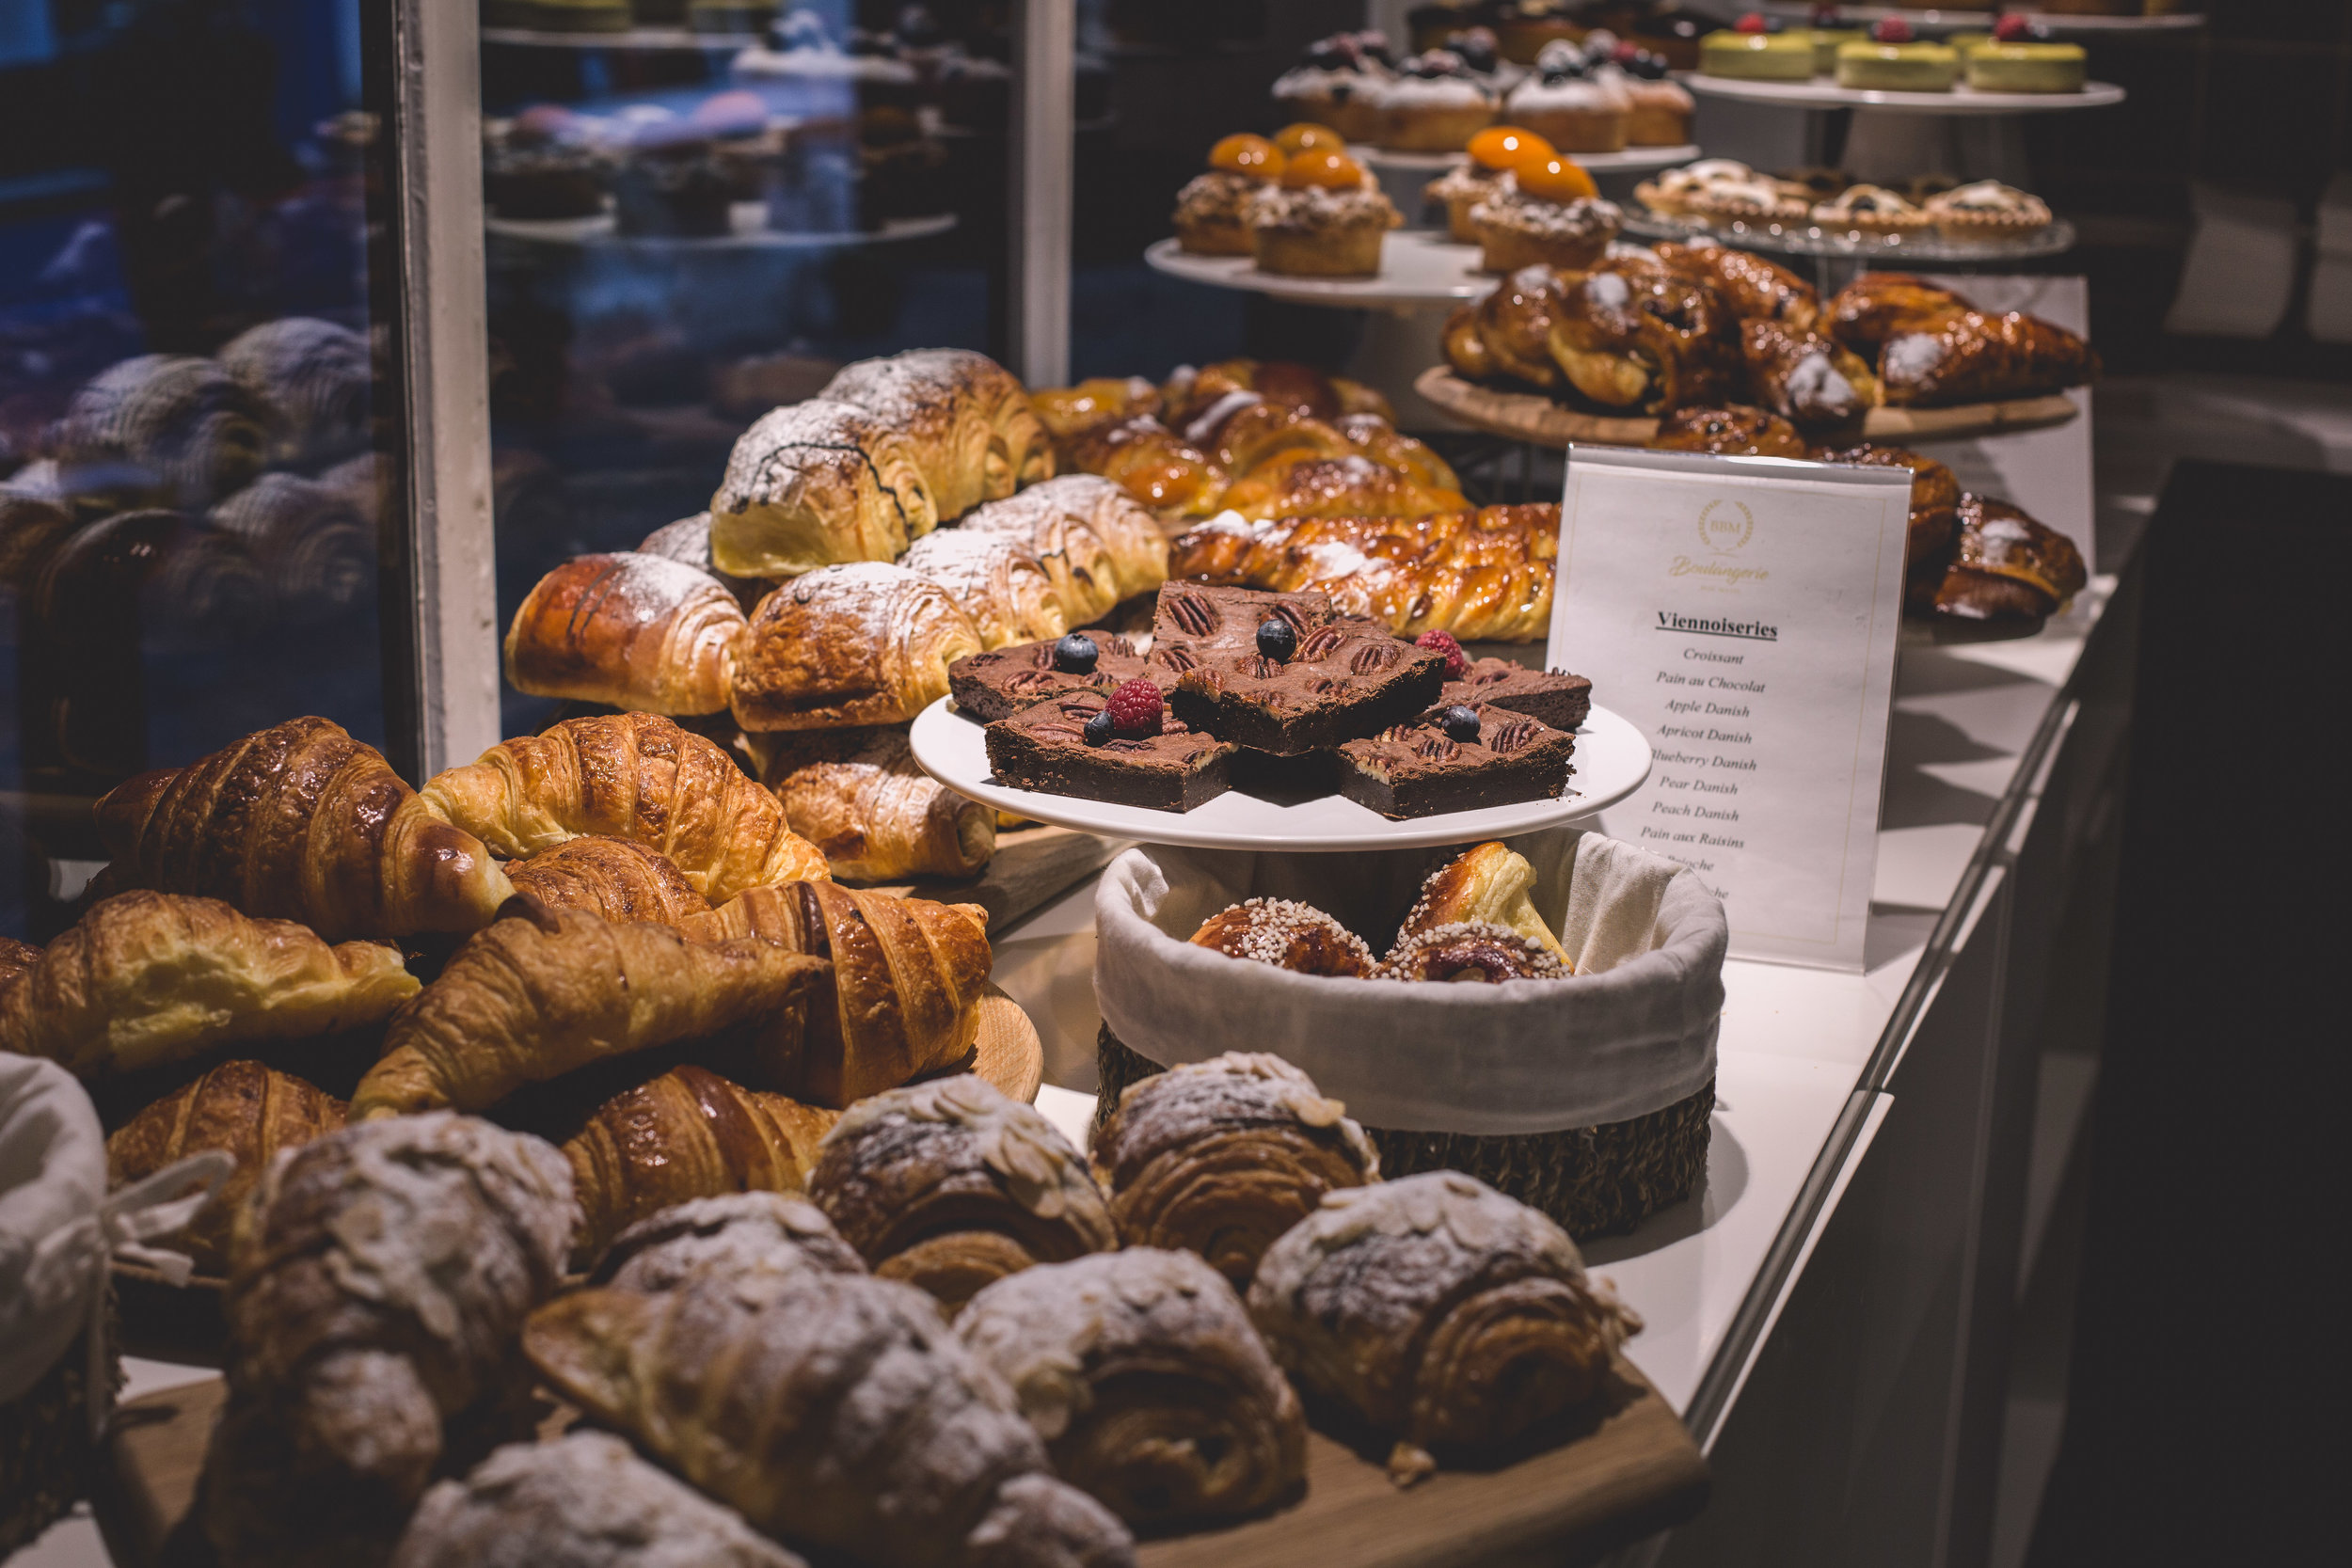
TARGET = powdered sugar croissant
(634,630)
(818,483)
(849,646)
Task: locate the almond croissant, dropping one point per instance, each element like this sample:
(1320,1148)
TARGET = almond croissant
(546,991)
(837,1411)
(631,775)
(148,978)
(905,983)
(301,822)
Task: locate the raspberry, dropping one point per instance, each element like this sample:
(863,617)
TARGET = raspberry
(1893,30)
(1752,22)
(2012,28)
(1135,709)
(1442,643)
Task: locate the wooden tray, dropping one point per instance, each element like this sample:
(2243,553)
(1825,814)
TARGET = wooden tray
(1535,419)
(1032,867)
(1635,1472)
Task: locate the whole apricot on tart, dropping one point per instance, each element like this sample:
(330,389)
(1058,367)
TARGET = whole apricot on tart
(1555,179)
(1247,154)
(1501,147)
(1307,135)
(1329,167)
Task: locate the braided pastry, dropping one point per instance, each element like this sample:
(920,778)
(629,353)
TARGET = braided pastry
(735,1234)
(1470,951)
(834,1410)
(1142,1371)
(849,645)
(1337,487)
(635,631)
(1150,461)
(1288,935)
(818,483)
(949,1184)
(1443,1313)
(1755,288)
(301,822)
(1220,1157)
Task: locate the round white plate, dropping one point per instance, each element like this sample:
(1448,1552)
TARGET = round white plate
(1632,159)
(1613,759)
(1418,268)
(1936,22)
(1823,93)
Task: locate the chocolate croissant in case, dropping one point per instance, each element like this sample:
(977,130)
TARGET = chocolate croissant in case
(1441,1312)
(1220,1157)
(1142,1371)
(951,1185)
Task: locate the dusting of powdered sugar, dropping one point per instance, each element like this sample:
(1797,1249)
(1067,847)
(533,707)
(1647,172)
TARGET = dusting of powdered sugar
(782,442)
(920,387)
(1238,1090)
(737,1232)
(869,595)
(1032,1161)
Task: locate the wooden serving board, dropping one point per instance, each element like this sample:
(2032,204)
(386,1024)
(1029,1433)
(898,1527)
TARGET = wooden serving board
(1634,1472)
(1031,867)
(1535,419)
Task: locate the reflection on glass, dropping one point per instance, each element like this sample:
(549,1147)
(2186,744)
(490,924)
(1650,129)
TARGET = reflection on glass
(188,493)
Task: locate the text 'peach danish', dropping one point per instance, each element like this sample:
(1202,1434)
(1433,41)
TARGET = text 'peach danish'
(1220,1157)
(951,1184)
(1152,1389)
(1437,1312)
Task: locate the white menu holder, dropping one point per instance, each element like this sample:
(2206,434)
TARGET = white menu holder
(1742,611)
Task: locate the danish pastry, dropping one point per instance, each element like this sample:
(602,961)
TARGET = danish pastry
(1288,935)
(1470,951)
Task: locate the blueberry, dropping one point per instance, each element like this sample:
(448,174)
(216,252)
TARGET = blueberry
(1075,654)
(1278,640)
(1327,56)
(1461,723)
(1098,728)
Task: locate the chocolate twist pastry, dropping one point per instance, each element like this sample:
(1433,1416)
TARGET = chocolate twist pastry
(1631,334)
(585,1500)
(734,1234)
(1507,335)
(1470,951)
(1288,935)
(1754,288)
(2007,566)
(1220,1157)
(1153,1393)
(833,1410)
(949,1185)
(1878,305)
(1810,379)
(1437,1312)
(1977,358)
(378,1281)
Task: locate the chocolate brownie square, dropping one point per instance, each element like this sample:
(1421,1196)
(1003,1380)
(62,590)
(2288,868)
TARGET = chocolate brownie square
(1003,681)
(1199,621)
(1044,748)
(1554,696)
(1418,770)
(1345,679)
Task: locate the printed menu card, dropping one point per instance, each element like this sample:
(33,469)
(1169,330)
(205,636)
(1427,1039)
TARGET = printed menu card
(1742,613)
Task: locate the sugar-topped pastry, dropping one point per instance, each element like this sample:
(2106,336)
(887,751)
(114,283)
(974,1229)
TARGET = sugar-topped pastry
(1288,935)
(1325,218)
(1212,215)
(1435,104)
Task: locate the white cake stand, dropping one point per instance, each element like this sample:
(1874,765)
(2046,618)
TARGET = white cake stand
(1613,760)
(1979,19)
(1633,160)
(1823,93)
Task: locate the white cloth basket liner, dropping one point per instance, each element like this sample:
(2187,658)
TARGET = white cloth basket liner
(1632,1033)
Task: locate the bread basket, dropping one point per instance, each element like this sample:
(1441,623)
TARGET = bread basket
(1588,1098)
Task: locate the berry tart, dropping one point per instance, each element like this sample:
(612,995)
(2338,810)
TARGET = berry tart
(1573,106)
(1871,210)
(1325,218)
(1493,153)
(1120,746)
(1212,211)
(1753,200)
(1546,212)
(1987,211)
(1436,103)
(1750,51)
(1338,84)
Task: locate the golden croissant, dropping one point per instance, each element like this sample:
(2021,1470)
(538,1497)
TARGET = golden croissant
(546,991)
(636,776)
(858,796)
(634,630)
(617,878)
(902,994)
(301,822)
(147,978)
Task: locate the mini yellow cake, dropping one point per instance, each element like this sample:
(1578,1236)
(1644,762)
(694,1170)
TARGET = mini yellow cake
(1898,67)
(2028,68)
(1827,41)
(1758,57)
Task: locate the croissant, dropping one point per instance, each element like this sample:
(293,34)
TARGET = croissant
(635,776)
(1151,463)
(1222,1156)
(252,1111)
(688,542)
(188,432)
(688,1133)
(849,646)
(617,878)
(302,822)
(585,1500)
(906,979)
(736,1233)
(1808,379)
(1974,357)
(1753,288)
(1441,1312)
(1339,486)
(149,978)
(1731,429)
(1101,400)
(998,581)
(767,1390)
(967,419)
(818,482)
(379,1279)
(949,1184)
(1152,1389)
(1878,305)
(858,796)
(1934,507)
(15,958)
(635,631)
(1491,882)
(316,547)
(2007,566)
(1131,535)
(546,991)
